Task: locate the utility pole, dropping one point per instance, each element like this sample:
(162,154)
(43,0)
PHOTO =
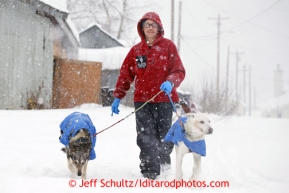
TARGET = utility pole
(244,82)
(244,86)
(227,78)
(254,98)
(237,70)
(249,90)
(218,51)
(237,60)
(179,29)
(172,19)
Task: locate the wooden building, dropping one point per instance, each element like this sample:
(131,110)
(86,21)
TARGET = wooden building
(34,38)
(93,37)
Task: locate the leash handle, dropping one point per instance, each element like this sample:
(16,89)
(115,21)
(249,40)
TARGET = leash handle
(129,114)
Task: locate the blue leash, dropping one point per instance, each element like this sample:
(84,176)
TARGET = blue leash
(174,107)
(175,110)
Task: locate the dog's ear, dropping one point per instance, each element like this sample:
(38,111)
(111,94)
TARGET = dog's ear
(190,115)
(63,149)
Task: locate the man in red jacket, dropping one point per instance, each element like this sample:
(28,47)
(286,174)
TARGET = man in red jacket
(154,64)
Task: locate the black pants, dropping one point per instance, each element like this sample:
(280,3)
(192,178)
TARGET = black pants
(152,124)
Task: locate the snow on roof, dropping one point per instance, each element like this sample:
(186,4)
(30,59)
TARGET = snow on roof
(89,26)
(111,58)
(57,4)
(73,28)
(61,6)
(276,102)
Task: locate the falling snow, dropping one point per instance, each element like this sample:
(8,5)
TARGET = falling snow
(249,153)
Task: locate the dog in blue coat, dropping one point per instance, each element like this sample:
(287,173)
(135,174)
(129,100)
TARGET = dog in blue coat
(188,135)
(78,137)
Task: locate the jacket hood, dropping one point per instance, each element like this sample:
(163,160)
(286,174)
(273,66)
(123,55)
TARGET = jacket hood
(153,16)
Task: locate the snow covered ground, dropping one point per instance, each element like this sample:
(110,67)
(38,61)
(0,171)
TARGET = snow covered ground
(251,154)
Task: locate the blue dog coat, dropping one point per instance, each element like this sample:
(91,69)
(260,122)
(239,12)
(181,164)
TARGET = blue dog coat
(72,124)
(177,134)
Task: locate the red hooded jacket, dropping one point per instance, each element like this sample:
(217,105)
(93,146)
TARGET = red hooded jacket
(150,66)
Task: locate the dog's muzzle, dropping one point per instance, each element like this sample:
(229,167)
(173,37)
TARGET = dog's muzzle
(79,173)
(210,130)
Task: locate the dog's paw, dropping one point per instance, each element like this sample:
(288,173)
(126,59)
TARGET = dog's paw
(194,177)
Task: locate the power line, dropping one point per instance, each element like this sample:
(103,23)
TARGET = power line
(190,12)
(260,13)
(283,10)
(196,53)
(269,79)
(248,20)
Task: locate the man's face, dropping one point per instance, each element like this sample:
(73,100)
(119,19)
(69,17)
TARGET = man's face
(150,29)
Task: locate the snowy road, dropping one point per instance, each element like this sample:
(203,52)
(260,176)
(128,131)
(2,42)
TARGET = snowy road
(251,154)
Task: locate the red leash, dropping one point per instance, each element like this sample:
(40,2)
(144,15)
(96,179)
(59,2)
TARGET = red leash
(128,115)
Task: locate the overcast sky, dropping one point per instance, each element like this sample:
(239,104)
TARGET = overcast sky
(258,29)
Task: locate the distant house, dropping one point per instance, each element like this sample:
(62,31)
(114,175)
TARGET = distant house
(99,46)
(93,37)
(35,35)
(111,59)
(277,107)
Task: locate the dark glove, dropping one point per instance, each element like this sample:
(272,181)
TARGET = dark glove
(114,106)
(167,87)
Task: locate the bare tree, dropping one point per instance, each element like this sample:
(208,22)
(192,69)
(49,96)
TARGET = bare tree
(115,17)
(207,99)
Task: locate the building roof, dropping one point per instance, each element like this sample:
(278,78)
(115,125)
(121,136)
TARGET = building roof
(111,58)
(57,12)
(93,36)
(57,4)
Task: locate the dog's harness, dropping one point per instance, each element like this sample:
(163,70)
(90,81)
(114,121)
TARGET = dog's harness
(81,143)
(177,134)
(72,124)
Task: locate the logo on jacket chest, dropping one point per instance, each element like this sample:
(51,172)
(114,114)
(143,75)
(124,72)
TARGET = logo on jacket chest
(141,61)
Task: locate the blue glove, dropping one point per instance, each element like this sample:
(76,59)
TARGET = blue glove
(167,87)
(114,106)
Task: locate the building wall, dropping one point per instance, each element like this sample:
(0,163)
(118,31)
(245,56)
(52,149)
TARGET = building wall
(109,78)
(65,44)
(75,83)
(26,56)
